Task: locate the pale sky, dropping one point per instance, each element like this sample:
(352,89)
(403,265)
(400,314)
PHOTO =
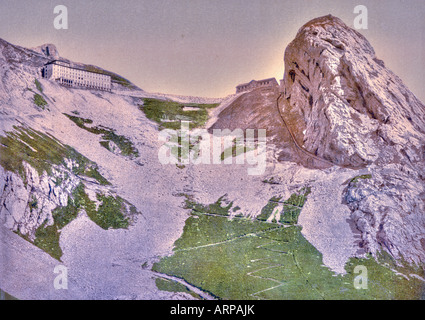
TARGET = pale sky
(207,47)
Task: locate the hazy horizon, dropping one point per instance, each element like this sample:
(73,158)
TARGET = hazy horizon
(206,48)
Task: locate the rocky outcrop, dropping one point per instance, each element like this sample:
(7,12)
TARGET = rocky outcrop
(48,50)
(257,109)
(343,104)
(387,208)
(26,204)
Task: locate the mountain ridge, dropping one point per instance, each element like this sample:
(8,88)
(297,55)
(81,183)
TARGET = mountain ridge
(367,200)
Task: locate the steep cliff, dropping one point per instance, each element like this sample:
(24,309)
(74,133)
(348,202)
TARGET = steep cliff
(353,110)
(340,106)
(345,106)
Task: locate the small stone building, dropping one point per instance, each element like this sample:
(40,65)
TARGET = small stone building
(271,82)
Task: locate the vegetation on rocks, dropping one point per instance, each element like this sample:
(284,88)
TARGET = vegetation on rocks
(114,76)
(268,209)
(39,100)
(221,207)
(47,236)
(173,286)
(41,151)
(38,85)
(124,144)
(169,114)
(292,206)
(113,212)
(234,151)
(357,178)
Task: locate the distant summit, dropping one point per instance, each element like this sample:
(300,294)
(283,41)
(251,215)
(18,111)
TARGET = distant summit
(48,50)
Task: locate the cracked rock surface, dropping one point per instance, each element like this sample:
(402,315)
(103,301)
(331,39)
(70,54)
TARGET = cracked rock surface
(344,105)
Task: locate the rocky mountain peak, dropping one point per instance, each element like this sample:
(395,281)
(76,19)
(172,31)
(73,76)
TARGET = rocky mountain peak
(334,30)
(343,104)
(48,50)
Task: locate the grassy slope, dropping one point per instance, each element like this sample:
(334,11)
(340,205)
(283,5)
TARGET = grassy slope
(114,77)
(246,259)
(41,151)
(168,114)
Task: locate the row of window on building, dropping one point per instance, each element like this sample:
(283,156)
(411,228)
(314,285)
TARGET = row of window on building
(63,73)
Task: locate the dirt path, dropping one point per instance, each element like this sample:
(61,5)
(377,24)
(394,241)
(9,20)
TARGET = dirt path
(306,152)
(192,288)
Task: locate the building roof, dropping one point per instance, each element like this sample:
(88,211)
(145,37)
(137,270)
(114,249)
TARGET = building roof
(254,81)
(69,66)
(268,79)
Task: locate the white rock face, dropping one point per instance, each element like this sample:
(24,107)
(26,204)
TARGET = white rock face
(388,210)
(25,206)
(48,50)
(345,106)
(354,110)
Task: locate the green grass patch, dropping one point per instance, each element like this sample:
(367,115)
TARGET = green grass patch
(94,173)
(289,214)
(292,206)
(114,77)
(38,86)
(268,209)
(221,207)
(108,135)
(41,151)
(110,214)
(113,212)
(169,114)
(240,259)
(39,100)
(78,201)
(299,198)
(234,151)
(354,180)
(47,239)
(126,147)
